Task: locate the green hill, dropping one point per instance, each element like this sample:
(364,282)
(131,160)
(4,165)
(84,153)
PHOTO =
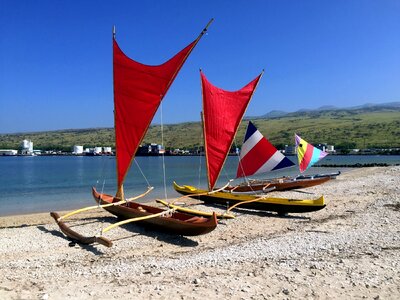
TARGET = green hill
(356,128)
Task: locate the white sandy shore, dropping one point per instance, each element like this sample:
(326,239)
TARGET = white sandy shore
(350,249)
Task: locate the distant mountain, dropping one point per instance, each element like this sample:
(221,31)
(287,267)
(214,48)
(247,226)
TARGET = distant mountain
(326,108)
(374,105)
(273,114)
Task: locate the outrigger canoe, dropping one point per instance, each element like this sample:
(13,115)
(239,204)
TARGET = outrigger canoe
(282,183)
(138,92)
(279,205)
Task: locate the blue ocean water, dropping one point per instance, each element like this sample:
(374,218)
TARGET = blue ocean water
(46,183)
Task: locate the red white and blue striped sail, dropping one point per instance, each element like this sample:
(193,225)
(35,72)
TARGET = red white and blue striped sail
(258,155)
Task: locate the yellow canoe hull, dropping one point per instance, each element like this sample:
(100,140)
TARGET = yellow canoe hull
(279,205)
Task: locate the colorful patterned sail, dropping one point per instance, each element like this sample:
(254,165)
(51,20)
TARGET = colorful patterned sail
(307,154)
(258,155)
(138,91)
(222,114)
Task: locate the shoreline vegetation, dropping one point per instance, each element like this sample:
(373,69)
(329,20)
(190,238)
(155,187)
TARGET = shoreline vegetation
(368,128)
(350,249)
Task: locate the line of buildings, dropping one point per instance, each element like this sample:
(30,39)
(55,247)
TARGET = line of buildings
(153,149)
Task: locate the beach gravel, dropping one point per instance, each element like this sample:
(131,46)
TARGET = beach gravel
(350,249)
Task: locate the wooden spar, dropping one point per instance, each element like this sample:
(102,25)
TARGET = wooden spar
(204,134)
(105,205)
(251,192)
(149,189)
(208,24)
(120,193)
(220,189)
(195,211)
(243,202)
(138,219)
(248,201)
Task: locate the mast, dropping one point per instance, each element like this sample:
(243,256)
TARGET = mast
(204,133)
(120,188)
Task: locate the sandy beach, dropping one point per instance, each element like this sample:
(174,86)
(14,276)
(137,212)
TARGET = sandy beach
(350,249)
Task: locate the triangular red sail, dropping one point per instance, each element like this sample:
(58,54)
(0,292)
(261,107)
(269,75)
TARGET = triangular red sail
(138,91)
(222,114)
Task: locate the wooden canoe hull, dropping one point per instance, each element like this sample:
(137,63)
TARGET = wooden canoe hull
(283,183)
(177,223)
(279,205)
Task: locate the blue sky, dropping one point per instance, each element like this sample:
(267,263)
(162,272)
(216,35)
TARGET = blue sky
(56,56)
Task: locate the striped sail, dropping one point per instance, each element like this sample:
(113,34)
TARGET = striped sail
(307,154)
(258,155)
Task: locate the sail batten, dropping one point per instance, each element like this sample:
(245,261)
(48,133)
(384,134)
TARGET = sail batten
(222,113)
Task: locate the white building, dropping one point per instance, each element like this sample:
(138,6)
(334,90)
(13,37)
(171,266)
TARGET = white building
(8,152)
(330,149)
(27,147)
(98,150)
(77,150)
(107,150)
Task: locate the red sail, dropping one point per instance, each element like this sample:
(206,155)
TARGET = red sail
(223,112)
(138,91)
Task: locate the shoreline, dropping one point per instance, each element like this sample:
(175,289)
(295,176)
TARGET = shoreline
(350,249)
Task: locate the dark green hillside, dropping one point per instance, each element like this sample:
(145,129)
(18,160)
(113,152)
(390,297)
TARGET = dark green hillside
(364,128)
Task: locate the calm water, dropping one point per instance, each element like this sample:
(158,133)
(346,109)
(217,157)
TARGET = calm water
(46,183)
